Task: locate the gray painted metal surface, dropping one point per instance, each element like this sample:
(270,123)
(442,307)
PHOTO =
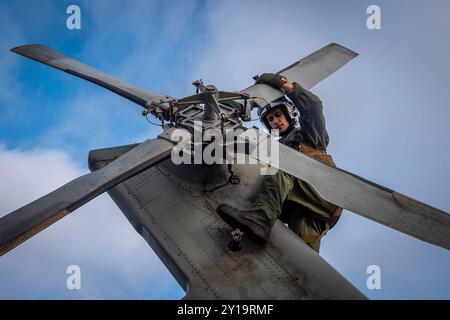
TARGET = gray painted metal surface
(62,62)
(173,208)
(308,71)
(32,218)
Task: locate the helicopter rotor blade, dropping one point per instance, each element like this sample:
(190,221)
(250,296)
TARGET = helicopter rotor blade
(307,72)
(365,198)
(62,62)
(23,223)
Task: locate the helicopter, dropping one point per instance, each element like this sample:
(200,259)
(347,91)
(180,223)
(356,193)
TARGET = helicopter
(173,205)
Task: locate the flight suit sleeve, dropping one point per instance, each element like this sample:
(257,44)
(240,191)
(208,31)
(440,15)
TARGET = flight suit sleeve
(312,120)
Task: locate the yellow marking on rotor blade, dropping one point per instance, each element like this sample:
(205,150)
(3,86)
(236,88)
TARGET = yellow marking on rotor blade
(33,231)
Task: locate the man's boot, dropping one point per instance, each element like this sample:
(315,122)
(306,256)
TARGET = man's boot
(253,223)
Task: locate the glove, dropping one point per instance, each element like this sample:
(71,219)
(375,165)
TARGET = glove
(271,79)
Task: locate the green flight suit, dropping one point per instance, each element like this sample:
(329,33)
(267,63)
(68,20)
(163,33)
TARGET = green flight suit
(296,203)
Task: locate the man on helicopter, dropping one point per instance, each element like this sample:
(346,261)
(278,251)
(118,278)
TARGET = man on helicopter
(282,196)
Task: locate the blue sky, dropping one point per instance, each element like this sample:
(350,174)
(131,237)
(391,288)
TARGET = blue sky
(386,111)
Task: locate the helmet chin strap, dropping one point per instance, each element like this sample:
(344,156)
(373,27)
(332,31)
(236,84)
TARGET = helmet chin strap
(288,130)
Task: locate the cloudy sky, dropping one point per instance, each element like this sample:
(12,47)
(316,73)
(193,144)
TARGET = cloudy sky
(387,115)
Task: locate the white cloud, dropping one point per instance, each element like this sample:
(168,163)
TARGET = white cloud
(115,261)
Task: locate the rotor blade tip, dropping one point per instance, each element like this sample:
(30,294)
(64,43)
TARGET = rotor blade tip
(19,49)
